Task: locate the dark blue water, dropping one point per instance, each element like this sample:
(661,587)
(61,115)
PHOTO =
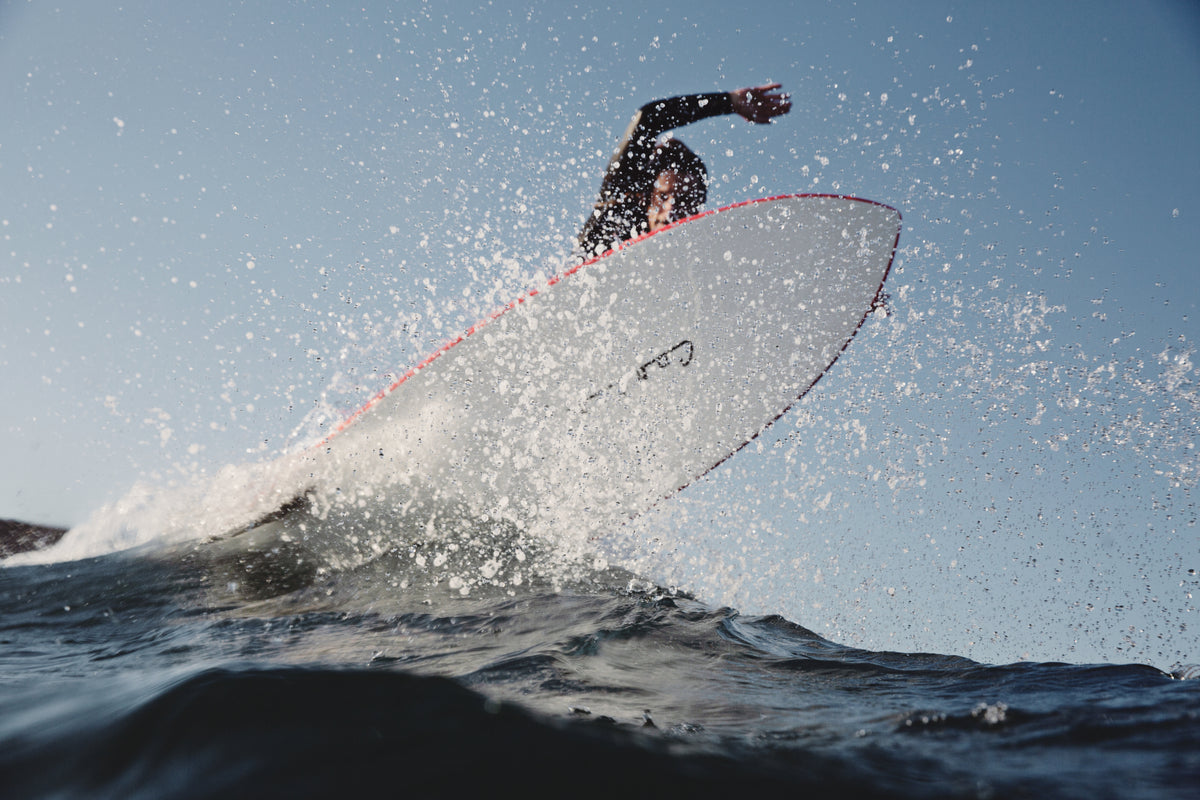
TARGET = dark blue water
(150,677)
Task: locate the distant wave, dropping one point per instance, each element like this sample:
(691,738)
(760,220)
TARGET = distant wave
(22,537)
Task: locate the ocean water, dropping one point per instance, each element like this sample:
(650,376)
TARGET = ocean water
(188,672)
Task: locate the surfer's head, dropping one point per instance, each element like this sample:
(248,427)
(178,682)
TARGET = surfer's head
(680,186)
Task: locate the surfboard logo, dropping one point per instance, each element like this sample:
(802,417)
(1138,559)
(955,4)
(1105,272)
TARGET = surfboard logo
(680,355)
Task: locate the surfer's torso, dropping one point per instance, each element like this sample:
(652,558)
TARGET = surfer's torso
(620,213)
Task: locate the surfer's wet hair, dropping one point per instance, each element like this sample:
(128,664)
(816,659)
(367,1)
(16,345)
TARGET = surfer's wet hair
(672,155)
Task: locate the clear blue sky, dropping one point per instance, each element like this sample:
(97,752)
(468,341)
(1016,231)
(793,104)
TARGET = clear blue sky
(214,221)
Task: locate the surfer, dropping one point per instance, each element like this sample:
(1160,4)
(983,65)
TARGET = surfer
(652,181)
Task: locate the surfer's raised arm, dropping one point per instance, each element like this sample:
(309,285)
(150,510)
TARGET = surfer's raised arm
(651,182)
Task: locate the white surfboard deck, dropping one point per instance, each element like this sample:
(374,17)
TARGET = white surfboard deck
(625,378)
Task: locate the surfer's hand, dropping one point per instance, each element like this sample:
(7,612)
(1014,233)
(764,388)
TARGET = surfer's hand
(761,103)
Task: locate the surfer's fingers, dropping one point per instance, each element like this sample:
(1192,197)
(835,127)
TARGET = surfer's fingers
(759,92)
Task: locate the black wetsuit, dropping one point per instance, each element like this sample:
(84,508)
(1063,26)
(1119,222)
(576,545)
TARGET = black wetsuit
(620,213)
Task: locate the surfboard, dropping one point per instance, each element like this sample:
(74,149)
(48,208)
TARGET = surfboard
(625,378)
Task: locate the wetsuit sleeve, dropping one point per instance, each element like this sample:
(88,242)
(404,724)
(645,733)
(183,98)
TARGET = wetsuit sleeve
(628,179)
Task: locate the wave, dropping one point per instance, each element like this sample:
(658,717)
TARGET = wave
(128,680)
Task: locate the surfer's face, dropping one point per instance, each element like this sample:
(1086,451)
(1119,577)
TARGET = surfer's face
(662,200)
